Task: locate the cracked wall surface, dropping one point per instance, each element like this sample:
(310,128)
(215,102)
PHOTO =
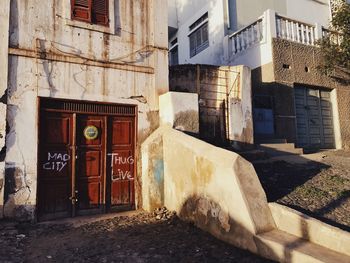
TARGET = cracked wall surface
(218,120)
(4,27)
(50,56)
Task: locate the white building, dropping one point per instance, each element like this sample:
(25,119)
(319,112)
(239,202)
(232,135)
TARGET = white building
(277,39)
(200,30)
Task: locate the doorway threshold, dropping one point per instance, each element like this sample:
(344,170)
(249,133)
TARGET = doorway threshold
(83,220)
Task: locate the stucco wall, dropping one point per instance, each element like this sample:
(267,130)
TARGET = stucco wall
(180,111)
(51,56)
(214,86)
(206,185)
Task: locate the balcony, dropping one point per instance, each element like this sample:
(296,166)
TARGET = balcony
(252,45)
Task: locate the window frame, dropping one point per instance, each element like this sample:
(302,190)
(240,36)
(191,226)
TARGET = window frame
(197,31)
(173,49)
(91,12)
(113,15)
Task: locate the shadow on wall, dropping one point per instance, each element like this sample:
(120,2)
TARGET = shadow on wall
(208,216)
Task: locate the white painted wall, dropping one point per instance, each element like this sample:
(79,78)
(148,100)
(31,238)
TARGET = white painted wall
(172,13)
(188,12)
(309,11)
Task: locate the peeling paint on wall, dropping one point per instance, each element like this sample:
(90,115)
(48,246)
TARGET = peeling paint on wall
(53,56)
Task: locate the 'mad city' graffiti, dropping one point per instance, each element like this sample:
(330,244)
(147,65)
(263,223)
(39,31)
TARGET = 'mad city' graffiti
(56,161)
(121,174)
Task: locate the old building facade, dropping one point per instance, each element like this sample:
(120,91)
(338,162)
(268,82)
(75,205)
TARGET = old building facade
(80,82)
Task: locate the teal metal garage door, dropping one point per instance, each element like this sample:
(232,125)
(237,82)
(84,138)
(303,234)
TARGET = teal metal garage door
(314,118)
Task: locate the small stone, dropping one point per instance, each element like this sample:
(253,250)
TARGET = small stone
(20,236)
(49,257)
(158,217)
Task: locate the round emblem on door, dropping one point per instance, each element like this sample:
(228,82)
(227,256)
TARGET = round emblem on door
(91,132)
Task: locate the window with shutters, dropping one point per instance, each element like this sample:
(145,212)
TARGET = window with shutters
(198,35)
(90,11)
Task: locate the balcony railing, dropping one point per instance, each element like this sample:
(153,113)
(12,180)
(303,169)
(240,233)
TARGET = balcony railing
(294,30)
(335,37)
(271,25)
(247,37)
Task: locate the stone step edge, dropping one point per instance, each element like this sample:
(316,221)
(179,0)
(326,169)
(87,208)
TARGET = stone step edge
(283,247)
(309,228)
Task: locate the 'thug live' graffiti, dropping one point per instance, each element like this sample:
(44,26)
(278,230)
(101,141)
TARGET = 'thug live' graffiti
(120,160)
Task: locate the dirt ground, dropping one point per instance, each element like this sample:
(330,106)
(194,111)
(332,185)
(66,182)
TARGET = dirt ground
(316,184)
(138,238)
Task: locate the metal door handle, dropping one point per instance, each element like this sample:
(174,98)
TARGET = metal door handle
(73,200)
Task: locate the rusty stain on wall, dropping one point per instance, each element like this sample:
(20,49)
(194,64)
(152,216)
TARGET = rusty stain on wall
(225,107)
(52,56)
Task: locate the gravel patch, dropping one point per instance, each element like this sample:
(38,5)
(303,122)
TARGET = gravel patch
(145,237)
(318,188)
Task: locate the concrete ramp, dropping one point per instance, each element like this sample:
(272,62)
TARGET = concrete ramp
(220,192)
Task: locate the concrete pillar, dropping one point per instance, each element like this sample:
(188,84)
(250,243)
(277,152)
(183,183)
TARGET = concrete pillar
(4,36)
(270,22)
(227,50)
(318,31)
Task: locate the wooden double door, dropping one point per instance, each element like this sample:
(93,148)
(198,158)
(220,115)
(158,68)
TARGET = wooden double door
(86,164)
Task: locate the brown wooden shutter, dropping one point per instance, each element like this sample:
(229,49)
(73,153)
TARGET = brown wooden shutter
(100,12)
(81,10)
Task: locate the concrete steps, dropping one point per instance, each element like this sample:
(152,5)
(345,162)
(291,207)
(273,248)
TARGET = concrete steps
(278,149)
(284,247)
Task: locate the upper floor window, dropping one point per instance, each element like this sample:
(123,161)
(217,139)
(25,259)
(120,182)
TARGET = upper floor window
(198,35)
(91,11)
(174,53)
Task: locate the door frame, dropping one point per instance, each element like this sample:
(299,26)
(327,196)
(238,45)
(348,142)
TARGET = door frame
(319,90)
(130,110)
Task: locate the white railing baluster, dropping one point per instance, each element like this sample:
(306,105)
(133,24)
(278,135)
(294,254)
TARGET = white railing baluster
(293,31)
(279,28)
(258,31)
(302,34)
(312,36)
(239,49)
(252,33)
(247,37)
(287,30)
(234,50)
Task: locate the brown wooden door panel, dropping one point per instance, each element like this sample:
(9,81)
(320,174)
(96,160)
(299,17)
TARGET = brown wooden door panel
(122,161)
(90,165)
(55,163)
(75,177)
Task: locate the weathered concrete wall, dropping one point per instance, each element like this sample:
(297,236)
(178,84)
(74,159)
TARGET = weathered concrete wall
(4,32)
(219,121)
(216,189)
(180,111)
(240,110)
(53,56)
